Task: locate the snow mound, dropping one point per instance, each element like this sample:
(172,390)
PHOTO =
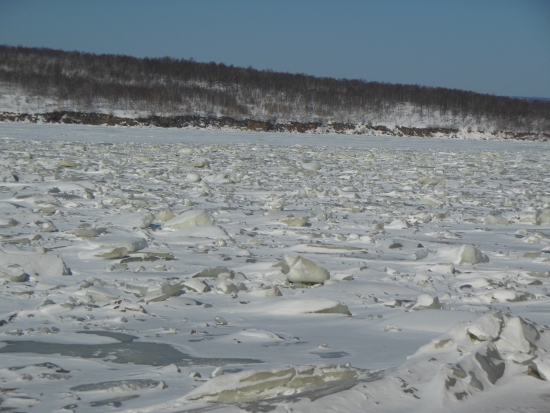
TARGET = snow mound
(495,220)
(475,357)
(189,219)
(133,220)
(131,244)
(299,306)
(256,335)
(464,254)
(295,221)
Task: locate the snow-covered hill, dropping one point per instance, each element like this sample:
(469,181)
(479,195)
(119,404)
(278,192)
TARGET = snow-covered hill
(38,81)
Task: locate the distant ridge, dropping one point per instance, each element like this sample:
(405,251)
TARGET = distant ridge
(35,81)
(530,98)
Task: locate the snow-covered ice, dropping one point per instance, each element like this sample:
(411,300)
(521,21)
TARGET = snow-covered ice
(151,270)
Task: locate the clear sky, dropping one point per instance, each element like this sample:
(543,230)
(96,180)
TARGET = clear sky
(491,46)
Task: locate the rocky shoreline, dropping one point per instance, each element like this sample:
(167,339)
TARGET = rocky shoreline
(206,122)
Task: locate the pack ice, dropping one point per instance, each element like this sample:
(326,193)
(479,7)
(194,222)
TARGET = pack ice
(148,270)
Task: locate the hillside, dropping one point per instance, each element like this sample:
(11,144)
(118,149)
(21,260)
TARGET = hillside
(56,86)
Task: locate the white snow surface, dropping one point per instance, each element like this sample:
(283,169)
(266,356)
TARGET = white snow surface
(128,287)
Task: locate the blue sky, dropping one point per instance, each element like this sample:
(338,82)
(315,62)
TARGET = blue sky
(491,46)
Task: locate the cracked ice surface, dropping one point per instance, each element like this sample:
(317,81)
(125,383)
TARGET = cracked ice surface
(157,270)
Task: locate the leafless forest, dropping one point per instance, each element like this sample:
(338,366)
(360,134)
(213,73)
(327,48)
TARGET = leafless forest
(175,87)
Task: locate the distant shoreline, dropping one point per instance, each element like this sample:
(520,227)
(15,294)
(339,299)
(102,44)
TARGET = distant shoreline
(228,123)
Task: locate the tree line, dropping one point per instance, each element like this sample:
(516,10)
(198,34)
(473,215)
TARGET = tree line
(169,86)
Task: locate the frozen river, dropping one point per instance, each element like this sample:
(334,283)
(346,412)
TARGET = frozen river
(165,136)
(151,270)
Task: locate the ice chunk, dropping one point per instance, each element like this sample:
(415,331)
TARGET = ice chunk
(532,239)
(227,287)
(495,220)
(219,179)
(67,163)
(118,385)
(473,373)
(112,402)
(254,385)
(198,163)
(133,220)
(518,335)
(46,199)
(114,254)
(142,159)
(165,289)
(531,217)
(431,201)
(218,371)
(295,221)
(35,263)
(465,254)
(8,222)
(471,255)
(347,194)
(196,285)
(140,288)
(545,216)
(423,217)
(486,328)
(48,227)
(426,302)
(539,274)
(503,295)
(164,215)
(259,335)
(302,270)
(193,177)
(276,205)
(425,180)
(225,276)
(272,292)
(130,243)
(317,305)
(397,224)
(189,219)
(541,365)
(255,241)
(220,242)
(99,294)
(212,272)
(85,233)
(443,268)
(13,273)
(220,321)
(311,166)
(491,362)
